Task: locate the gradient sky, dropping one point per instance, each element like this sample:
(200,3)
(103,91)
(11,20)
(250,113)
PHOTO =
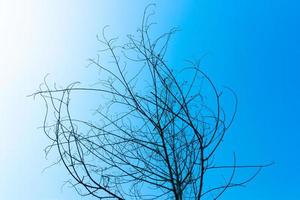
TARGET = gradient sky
(252,46)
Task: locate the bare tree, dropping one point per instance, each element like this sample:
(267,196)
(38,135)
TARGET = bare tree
(157,135)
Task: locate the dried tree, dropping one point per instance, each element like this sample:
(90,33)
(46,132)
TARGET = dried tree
(158,133)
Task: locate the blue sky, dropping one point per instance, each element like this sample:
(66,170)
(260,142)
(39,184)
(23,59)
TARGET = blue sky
(252,46)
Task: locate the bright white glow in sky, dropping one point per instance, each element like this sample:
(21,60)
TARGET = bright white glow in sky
(16,25)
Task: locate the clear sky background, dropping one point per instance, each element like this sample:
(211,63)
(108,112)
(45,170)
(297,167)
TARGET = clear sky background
(252,46)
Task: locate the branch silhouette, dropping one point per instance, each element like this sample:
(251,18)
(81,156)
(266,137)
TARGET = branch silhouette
(158,133)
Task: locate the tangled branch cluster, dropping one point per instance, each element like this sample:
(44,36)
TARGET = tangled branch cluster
(157,136)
